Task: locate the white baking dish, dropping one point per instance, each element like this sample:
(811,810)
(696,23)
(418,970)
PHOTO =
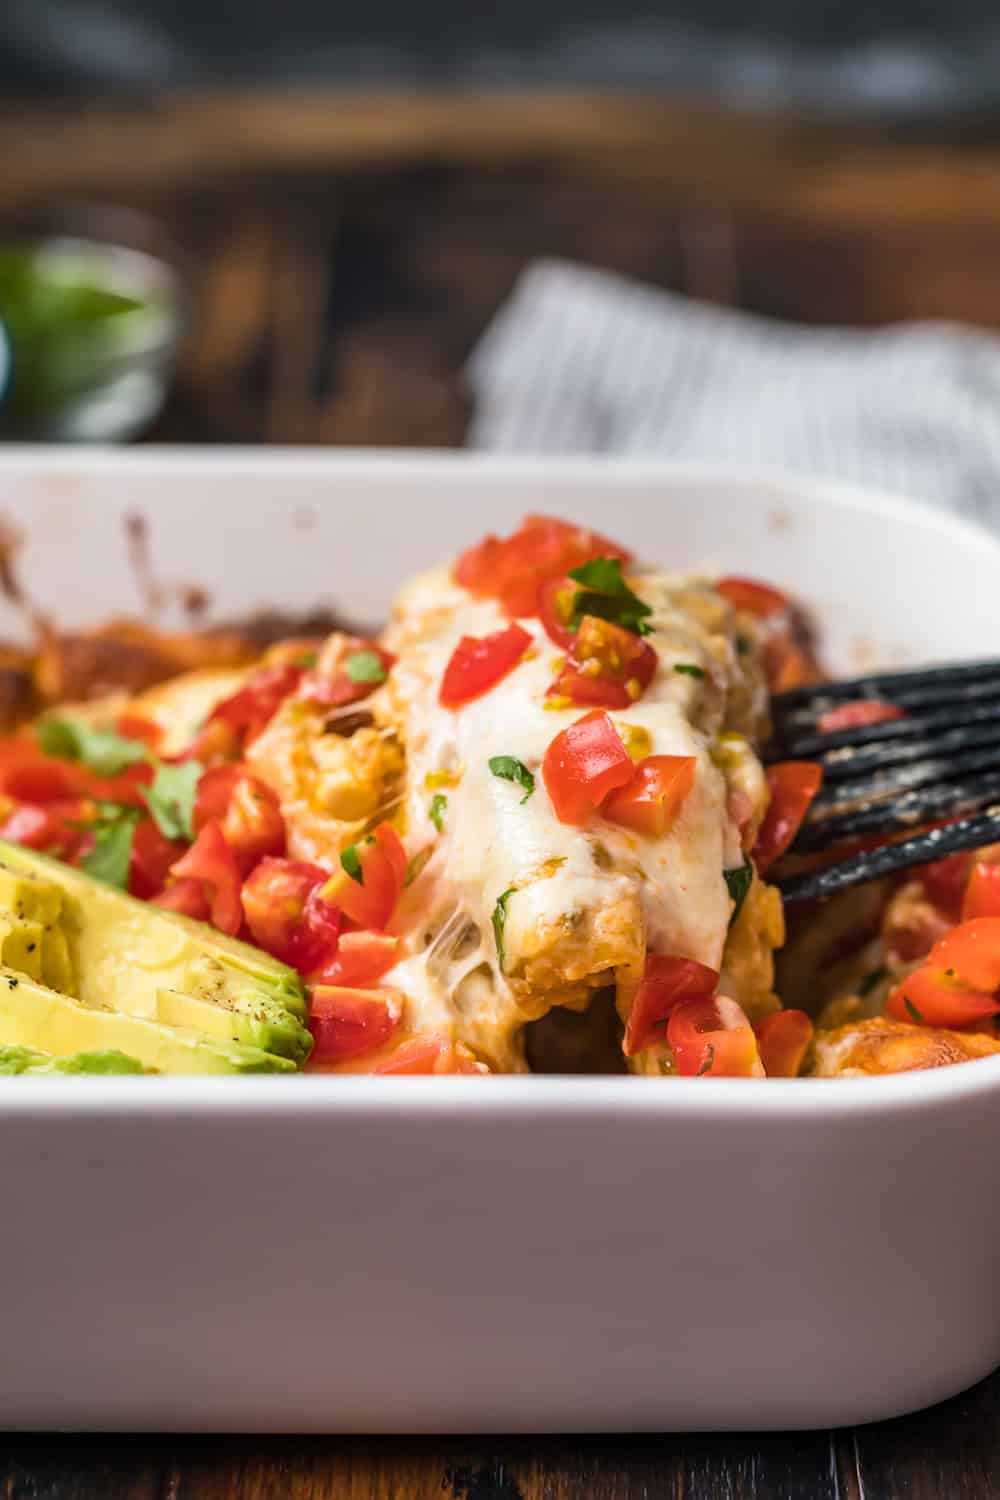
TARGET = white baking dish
(520,1254)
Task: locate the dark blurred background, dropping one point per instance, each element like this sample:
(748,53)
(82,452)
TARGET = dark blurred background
(347,194)
(906,56)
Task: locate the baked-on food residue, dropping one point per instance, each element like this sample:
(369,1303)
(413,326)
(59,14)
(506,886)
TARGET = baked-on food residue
(126,655)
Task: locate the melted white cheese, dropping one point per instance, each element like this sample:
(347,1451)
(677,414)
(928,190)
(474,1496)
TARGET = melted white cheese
(492,840)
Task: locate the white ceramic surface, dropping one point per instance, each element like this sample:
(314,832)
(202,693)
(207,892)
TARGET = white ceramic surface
(510,1254)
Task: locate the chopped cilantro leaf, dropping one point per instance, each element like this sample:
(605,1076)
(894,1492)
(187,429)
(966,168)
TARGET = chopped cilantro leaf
(439,806)
(306,660)
(606,594)
(350,860)
(101,750)
(868,983)
(738,882)
(365,666)
(113,833)
(603,575)
(171,799)
(509,768)
(500,922)
(743,645)
(688,669)
(914,1012)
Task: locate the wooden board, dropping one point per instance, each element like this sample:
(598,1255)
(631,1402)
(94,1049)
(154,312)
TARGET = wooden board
(951,1452)
(343,249)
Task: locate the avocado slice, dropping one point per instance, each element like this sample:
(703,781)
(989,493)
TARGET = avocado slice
(121,952)
(21,945)
(57,966)
(34,1017)
(21,1059)
(252,1018)
(30,899)
(30,895)
(27,1060)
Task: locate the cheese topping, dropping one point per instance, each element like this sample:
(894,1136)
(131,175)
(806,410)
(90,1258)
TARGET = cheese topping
(582,904)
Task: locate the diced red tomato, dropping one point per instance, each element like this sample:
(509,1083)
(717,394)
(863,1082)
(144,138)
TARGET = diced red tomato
(132,727)
(54,828)
(753,598)
(214,791)
(652,799)
(29,775)
(289,915)
(153,857)
(211,861)
(783,1039)
(18,752)
(16,748)
(666,981)
(371,901)
(585,762)
(606,666)
(513,569)
(29,825)
(982,892)
(39,779)
(478,664)
(930,997)
(334,690)
(857,714)
(787,665)
(793,785)
(945,880)
(391,845)
(246,807)
(361,958)
(555,609)
(712,1036)
(587,692)
(127,786)
(215,741)
(972,952)
(349,1022)
(419,1055)
(247,712)
(958,983)
(485,564)
(187,896)
(319,934)
(429,1054)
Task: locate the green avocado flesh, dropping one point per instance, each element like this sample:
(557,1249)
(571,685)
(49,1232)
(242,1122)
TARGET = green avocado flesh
(86,969)
(251,1019)
(27,1060)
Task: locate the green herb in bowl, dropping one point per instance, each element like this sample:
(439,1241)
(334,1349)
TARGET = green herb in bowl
(91,329)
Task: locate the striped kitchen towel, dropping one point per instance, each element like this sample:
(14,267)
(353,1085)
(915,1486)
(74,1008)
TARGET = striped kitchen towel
(580,360)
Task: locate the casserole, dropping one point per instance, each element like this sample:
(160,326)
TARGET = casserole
(507,1254)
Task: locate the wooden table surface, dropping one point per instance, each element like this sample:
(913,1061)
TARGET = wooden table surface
(951,1452)
(342,251)
(343,255)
